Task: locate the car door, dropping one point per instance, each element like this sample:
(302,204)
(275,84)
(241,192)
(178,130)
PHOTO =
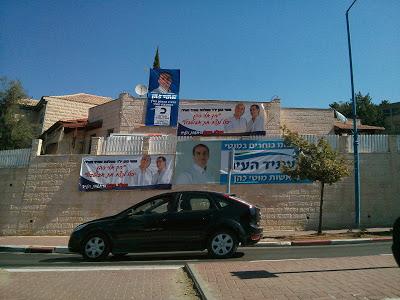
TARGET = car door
(143,227)
(189,225)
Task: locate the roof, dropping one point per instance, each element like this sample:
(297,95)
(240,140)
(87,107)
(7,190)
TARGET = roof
(27,102)
(77,123)
(81,98)
(349,126)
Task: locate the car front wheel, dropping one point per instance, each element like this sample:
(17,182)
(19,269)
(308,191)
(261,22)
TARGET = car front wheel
(222,244)
(96,247)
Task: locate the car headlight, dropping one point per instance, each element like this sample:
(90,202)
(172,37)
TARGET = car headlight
(79,227)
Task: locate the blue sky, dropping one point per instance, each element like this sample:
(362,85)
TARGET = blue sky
(237,50)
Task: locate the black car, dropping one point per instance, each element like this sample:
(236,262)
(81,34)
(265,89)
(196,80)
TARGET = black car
(396,241)
(178,221)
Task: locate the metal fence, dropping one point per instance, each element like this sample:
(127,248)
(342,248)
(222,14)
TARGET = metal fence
(14,158)
(162,144)
(370,143)
(132,144)
(123,145)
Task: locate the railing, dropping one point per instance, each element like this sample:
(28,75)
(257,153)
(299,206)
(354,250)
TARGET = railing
(162,144)
(14,158)
(120,145)
(132,144)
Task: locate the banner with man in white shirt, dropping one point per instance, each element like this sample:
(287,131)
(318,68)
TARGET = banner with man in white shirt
(228,119)
(126,172)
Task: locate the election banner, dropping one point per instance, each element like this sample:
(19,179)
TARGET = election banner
(197,162)
(126,172)
(163,97)
(239,118)
(257,162)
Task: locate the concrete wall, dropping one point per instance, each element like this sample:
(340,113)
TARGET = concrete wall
(44,198)
(308,120)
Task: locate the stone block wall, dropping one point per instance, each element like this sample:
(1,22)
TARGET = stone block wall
(44,198)
(308,120)
(109,113)
(59,109)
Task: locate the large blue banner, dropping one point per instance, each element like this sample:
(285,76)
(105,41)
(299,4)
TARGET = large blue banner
(256,162)
(163,97)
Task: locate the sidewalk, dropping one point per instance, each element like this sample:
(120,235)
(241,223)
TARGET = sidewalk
(58,244)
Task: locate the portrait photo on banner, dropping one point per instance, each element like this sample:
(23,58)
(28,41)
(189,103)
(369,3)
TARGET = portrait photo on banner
(126,172)
(228,119)
(197,162)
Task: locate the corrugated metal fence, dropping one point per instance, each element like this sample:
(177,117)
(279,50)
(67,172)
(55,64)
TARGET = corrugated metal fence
(370,143)
(120,145)
(14,158)
(167,144)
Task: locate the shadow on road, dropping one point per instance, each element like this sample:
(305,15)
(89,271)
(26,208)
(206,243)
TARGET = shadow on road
(139,258)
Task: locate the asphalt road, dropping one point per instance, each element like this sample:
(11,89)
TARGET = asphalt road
(10,260)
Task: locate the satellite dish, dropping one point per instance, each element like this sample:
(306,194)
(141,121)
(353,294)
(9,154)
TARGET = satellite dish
(141,89)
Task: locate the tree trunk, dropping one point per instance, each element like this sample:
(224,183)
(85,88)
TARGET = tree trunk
(320,208)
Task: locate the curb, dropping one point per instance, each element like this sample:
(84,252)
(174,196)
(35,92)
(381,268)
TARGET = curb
(34,249)
(198,282)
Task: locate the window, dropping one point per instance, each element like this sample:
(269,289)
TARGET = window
(109,131)
(193,203)
(159,206)
(222,201)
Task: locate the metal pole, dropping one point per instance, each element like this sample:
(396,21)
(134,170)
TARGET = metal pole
(355,132)
(230,167)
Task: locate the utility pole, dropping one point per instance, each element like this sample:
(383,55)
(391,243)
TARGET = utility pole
(355,132)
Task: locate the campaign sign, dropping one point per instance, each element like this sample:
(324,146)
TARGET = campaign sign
(257,162)
(163,98)
(236,118)
(126,172)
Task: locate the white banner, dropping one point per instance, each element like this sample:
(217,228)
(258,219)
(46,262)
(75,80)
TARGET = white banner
(126,172)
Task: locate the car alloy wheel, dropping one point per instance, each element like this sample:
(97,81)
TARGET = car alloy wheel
(96,247)
(222,244)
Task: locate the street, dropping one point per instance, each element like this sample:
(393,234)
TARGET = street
(180,258)
(360,271)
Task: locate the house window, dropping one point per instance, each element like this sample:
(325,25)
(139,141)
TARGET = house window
(90,142)
(109,131)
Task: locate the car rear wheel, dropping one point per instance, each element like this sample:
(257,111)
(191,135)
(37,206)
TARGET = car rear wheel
(96,247)
(222,244)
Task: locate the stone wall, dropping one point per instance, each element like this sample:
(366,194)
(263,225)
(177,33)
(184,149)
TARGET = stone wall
(308,120)
(59,109)
(44,198)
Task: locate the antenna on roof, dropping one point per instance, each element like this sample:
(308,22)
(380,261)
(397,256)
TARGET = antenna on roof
(141,89)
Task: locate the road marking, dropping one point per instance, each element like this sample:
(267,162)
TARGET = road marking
(87,269)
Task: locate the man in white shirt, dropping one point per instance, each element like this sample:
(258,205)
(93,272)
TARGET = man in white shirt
(256,123)
(237,123)
(197,174)
(163,175)
(164,81)
(143,175)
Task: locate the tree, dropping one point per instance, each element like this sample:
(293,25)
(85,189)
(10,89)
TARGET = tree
(367,111)
(15,130)
(315,162)
(156,63)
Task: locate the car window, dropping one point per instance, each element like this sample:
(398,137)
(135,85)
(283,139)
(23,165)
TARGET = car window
(222,201)
(194,203)
(158,205)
